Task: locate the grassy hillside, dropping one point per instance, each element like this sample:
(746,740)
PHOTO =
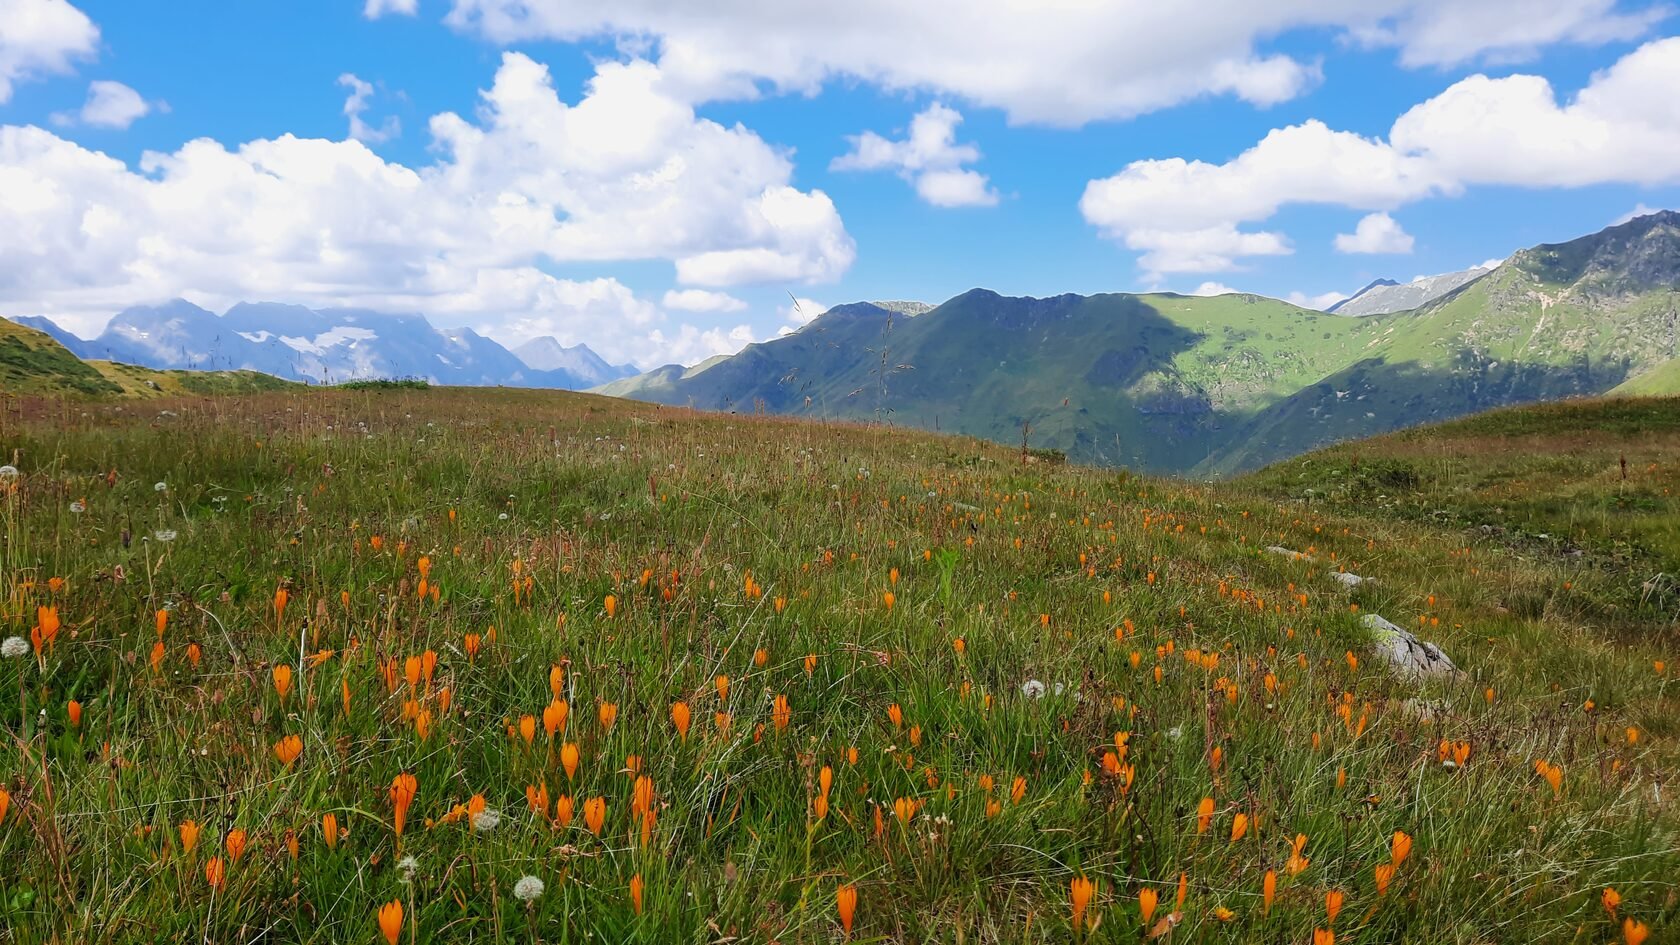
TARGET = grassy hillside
(1216,386)
(1585,477)
(136,381)
(31,362)
(1662,380)
(302,659)
(1149,381)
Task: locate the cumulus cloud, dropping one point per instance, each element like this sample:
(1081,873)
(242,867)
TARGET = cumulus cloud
(626,173)
(1375,233)
(41,37)
(356,104)
(700,300)
(108,105)
(1208,289)
(374,9)
(1062,63)
(800,312)
(1624,127)
(929,157)
(1319,302)
(690,345)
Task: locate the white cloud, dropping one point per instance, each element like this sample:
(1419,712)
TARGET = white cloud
(1375,233)
(929,157)
(1624,127)
(690,345)
(1639,210)
(1213,288)
(1319,302)
(1214,249)
(375,9)
(700,300)
(799,312)
(108,105)
(1504,31)
(41,37)
(356,104)
(627,173)
(1064,62)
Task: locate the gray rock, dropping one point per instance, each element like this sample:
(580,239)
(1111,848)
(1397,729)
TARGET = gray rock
(1405,653)
(1289,553)
(1351,580)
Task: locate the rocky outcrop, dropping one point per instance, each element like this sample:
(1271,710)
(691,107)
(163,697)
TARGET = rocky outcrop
(1405,653)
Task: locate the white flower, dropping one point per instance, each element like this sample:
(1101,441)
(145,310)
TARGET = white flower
(160,487)
(486,820)
(1032,689)
(14,647)
(527,889)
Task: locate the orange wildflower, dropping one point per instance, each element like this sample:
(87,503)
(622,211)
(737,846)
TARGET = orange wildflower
(680,718)
(282,680)
(595,814)
(845,902)
(391,920)
(287,749)
(403,788)
(1080,895)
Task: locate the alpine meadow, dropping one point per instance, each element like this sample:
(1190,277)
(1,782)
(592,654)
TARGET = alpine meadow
(456,665)
(962,472)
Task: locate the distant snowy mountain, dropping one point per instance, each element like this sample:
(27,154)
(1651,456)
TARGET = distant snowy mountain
(548,354)
(1386,295)
(323,346)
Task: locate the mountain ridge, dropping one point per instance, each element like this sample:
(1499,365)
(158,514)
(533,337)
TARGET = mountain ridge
(1216,385)
(321,346)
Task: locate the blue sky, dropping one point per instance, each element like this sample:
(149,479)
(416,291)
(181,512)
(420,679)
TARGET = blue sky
(1050,163)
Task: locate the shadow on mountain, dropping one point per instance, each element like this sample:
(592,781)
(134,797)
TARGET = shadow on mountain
(1092,376)
(1375,396)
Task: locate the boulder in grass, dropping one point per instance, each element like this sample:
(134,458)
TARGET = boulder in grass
(1404,652)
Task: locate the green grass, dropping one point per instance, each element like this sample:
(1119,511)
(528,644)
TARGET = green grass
(31,362)
(719,538)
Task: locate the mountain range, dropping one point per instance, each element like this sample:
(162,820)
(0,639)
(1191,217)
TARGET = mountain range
(1211,386)
(328,346)
(1165,383)
(1385,295)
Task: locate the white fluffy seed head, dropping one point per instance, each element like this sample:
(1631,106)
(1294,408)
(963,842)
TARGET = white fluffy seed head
(527,889)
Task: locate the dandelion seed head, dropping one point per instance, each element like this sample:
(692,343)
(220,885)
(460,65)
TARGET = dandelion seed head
(14,647)
(8,473)
(527,889)
(164,534)
(1032,689)
(160,487)
(486,820)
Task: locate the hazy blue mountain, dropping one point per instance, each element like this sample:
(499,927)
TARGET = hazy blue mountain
(321,346)
(548,354)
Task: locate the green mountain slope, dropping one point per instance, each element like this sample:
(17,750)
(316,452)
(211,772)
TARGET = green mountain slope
(1146,381)
(1213,386)
(1557,321)
(31,362)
